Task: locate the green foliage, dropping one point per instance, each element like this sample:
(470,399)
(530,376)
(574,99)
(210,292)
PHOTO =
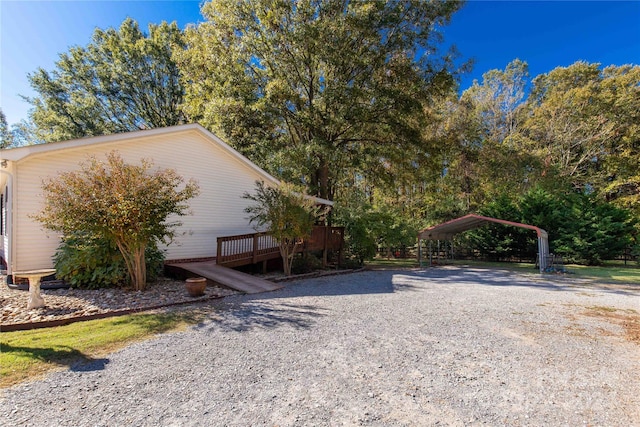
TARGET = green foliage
(127,205)
(315,89)
(368,228)
(92,263)
(123,80)
(287,215)
(306,263)
(361,229)
(581,228)
(6,139)
(497,242)
(499,100)
(598,231)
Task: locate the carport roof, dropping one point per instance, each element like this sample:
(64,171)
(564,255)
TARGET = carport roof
(447,230)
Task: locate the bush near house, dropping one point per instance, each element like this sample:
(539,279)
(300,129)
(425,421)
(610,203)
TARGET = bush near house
(91,263)
(126,205)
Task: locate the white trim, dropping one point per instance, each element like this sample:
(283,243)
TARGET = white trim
(20,153)
(7,239)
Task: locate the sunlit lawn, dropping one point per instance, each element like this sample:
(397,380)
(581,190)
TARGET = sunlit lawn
(28,354)
(611,271)
(392,263)
(618,273)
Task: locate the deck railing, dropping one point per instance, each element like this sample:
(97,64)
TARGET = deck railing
(244,249)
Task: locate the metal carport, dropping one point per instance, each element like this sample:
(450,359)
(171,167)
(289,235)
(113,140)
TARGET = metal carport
(447,230)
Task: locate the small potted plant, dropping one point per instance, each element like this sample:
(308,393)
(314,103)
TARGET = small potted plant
(196,286)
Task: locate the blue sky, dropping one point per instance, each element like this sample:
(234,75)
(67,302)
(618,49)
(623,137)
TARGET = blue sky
(546,34)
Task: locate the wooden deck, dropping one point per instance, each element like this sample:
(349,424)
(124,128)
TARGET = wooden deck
(245,249)
(227,277)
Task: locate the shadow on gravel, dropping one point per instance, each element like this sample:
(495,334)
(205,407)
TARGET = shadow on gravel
(245,312)
(250,314)
(491,277)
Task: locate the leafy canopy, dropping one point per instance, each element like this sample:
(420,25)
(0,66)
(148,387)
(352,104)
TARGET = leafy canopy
(311,89)
(123,80)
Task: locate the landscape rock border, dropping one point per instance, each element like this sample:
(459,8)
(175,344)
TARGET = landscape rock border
(24,326)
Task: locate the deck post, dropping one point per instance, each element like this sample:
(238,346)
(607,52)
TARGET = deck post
(219,251)
(255,248)
(325,244)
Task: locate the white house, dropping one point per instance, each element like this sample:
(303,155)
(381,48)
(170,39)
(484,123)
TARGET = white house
(222,173)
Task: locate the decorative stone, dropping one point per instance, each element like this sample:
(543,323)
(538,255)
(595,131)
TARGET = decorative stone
(71,303)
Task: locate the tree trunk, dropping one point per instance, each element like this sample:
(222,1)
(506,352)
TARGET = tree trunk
(320,180)
(136,266)
(287,252)
(284,253)
(140,266)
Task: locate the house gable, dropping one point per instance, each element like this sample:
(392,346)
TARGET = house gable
(221,172)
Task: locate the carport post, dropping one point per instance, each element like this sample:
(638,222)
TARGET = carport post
(543,249)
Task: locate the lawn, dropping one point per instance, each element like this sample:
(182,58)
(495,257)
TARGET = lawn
(384,263)
(29,354)
(611,271)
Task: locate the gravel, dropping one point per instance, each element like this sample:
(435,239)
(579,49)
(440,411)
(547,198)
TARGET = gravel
(445,346)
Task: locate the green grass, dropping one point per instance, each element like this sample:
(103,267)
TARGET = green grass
(614,271)
(392,263)
(617,273)
(518,267)
(26,355)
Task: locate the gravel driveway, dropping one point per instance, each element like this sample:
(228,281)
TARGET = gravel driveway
(446,346)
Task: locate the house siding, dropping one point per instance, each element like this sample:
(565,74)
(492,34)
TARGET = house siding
(217,211)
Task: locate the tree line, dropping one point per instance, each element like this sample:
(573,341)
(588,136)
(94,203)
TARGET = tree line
(357,102)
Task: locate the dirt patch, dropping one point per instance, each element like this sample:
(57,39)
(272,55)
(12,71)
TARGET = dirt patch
(628,319)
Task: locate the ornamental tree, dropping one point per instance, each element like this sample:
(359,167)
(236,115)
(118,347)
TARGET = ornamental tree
(129,205)
(288,216)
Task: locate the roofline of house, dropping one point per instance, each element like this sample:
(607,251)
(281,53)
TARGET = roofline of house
(21,153)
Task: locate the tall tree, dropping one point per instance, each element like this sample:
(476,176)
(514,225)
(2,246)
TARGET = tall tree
(486,153)
(312,87)
(579,116)
(123,80)
(499,98)
(622,88)
(6,138)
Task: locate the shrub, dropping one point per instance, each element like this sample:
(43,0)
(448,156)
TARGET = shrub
(306,263)
(91,263)
(128,205)
(287,214)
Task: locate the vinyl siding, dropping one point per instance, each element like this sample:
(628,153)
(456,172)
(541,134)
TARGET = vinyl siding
(217,211)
